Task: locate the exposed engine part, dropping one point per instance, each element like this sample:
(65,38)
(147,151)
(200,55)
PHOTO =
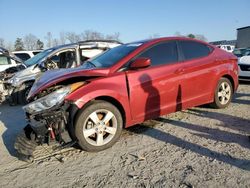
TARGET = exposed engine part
(48,127)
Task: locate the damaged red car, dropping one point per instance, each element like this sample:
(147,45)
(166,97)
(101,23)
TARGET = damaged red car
(126,85)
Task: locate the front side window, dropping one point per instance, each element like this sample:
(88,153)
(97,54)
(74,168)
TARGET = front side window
(193,50)
(163,53)
(4,60)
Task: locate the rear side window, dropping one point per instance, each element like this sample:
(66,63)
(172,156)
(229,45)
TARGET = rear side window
(163,53)
(23,56)
(192,50)
(4,60)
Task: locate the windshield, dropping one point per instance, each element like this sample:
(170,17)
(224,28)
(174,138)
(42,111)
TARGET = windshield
(35,59)
(112,56)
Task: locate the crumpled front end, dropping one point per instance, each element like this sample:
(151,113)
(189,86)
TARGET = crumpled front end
(49,126)
(49,118)
(6,90)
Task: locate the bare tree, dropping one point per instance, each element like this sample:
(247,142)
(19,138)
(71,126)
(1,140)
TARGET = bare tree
(9,46)
(1,42)
(73,37)
(154,36)
(115,36)
(62,38)
(55,42)
(200,37)
(30,42)
(91,35)
(49,39)
(177,33)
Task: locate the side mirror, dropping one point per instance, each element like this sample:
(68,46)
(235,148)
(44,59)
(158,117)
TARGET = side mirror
(140,63)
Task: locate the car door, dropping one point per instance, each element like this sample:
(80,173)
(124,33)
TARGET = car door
(153,90)
(197,80)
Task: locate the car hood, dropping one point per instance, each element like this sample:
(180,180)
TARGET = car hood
(32,70)
(53,77)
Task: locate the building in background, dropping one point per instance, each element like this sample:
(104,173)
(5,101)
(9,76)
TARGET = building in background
(243,37)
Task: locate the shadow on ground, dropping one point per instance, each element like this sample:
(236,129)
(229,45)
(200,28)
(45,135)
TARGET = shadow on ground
(11,119)
(168,138)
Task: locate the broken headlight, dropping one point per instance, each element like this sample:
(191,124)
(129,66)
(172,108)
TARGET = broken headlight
(48,101)
(52,99)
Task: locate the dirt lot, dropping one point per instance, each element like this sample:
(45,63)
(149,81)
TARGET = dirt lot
(199,147)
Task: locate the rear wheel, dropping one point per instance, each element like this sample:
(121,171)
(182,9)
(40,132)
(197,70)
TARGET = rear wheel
(98,126)
(223,94)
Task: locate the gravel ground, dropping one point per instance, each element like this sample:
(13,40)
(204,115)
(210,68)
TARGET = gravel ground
(199,147)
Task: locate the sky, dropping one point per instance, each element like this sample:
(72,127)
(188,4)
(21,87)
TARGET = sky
(133,19)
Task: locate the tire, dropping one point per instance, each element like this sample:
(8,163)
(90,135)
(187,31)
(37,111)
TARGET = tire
(92,133)
(223,94)
(23,93)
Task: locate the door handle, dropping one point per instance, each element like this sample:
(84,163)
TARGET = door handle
(179,71)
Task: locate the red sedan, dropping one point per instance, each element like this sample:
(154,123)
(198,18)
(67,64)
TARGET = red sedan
(127,85)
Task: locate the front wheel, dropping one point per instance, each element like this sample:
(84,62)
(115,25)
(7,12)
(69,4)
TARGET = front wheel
(223,94)
(98,126)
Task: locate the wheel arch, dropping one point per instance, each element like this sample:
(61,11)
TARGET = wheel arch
(230,78)
(116,103)
(109,99)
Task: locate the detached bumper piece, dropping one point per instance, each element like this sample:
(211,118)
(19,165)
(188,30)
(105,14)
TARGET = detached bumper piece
(43,128)
(25,147)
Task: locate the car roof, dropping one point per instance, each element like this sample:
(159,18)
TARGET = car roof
(25,51)
(101,40)
(94,42)
(154,40)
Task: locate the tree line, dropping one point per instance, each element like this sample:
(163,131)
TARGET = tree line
(31,42)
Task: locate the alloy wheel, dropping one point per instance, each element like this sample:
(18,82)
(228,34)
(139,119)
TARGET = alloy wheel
(224,93)
(100,127)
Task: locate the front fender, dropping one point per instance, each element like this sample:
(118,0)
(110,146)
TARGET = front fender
(113,87)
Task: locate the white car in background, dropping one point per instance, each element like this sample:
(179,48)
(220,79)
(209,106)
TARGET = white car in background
(228,48)
(25,55)
(7,60)
(243,63)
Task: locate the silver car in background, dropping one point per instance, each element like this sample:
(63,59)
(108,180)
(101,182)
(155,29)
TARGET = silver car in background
(17,85)
(243,55)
